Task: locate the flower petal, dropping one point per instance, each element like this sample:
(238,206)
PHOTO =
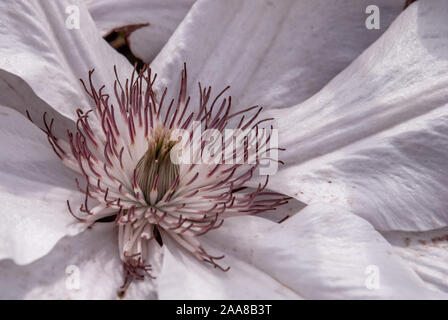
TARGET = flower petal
(40,43)
(87,266)
(163,18)
(322,252)
(34,188)
(284,211)
(426,253)
(183,277)
(272,53)
(18,95)
(375,139)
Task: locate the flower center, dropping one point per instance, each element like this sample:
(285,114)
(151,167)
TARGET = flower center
(155,172)
(123,150)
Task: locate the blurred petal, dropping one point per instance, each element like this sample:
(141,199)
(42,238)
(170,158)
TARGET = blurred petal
(426,253)
(183,277)
(375,139)
(272,53)
(39,45)
(163,17)
(322,252)
(34,188)
(87,266)
(18,95)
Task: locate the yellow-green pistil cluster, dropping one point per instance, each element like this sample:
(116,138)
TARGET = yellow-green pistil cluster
(155,172)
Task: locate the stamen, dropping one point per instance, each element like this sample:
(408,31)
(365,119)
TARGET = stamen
(135,184)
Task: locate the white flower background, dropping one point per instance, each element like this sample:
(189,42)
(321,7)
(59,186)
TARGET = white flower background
(363,115)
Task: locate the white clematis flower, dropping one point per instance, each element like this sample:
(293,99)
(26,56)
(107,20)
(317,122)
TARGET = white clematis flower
(321,252)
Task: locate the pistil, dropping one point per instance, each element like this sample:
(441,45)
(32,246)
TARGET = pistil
(155,172)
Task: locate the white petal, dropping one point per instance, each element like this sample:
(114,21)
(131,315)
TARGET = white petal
(163,17)
(34,188)
(87,266)
(322,252)
(375,139)
(183,277)
(284,211)
(39,45)
(18,95)
(271,53)
(426,253)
